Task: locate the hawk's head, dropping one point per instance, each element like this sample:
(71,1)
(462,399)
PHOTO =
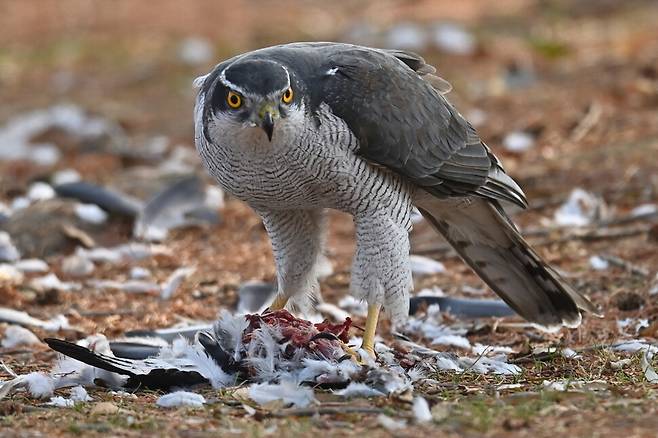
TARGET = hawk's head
(255,93)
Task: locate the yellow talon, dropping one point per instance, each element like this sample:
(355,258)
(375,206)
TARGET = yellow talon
(368,343)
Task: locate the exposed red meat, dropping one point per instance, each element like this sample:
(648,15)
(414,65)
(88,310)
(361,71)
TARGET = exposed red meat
(302,333)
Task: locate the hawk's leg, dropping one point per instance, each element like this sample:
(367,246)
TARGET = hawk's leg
(297,240)
(368,343)
(279,302)
(381,273)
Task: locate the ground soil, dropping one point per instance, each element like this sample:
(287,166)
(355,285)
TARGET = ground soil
(590,57)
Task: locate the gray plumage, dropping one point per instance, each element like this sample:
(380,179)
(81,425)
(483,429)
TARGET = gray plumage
(368,132)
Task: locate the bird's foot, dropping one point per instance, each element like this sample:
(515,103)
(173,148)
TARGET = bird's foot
(357,357)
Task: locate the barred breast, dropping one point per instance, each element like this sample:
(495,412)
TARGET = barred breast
(313,167)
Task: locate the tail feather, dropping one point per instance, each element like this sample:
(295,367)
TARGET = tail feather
(489,243)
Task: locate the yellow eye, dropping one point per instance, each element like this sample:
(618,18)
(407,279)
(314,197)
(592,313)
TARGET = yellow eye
(234,100)
(287,96)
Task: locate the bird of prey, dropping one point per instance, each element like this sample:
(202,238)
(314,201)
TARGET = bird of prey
(299,128)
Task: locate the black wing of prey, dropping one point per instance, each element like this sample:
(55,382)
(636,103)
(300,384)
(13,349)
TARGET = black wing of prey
(401,121)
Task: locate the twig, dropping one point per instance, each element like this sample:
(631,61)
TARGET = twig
(586,124)
(570,234)
(15,352)
(326,410)
(7,369)
(594,235)
(630,267)
(97,313)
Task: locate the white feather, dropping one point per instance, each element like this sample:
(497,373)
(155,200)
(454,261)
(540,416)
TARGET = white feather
(79,394)
(16,335)
(265,353)
(61,402)
(421,410)
(287,391)
(229,329)
(356,389)
(186,356)
(39,385)
(181,398)
(323,371)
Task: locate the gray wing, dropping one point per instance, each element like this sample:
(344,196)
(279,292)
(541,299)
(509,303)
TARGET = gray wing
(404,123)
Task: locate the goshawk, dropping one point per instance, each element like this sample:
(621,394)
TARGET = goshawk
(295,129)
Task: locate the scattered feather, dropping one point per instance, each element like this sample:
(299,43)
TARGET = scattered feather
(356,389)
(181,398)
(325,372)
(61,402)
(10,274)
(645,362)
(139,273)
(439,334)
(77,266)
(569,353)
(644,210)
(353,305)
(425,266)
(333,311)
(454,38)
(635,345)
(598,263)
(52,282)
(39,385)
(16,335)
(171,209)
(582,208)
(195,51)
(17,133)
(129,286)
(32,266)
(91,213)
(12,316)
(389,423)
(40,191)
(421,410)
(126,253)
(518,141)
(632,326)
(79,394)
(8,252)
(410,36)
(110,201)
(65,176)
(287,391)
(169,287)
(619,364)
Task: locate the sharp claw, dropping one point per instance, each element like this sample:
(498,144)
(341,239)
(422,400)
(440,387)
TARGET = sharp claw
(354,355)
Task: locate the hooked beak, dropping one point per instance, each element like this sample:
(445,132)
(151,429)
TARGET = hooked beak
(267,123)
(268,114)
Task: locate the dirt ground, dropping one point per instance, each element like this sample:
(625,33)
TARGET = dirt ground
(580,77)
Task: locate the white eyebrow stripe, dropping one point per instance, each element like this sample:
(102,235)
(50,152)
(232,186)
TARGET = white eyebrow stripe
(287,76)
(234,87)
(229,84)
